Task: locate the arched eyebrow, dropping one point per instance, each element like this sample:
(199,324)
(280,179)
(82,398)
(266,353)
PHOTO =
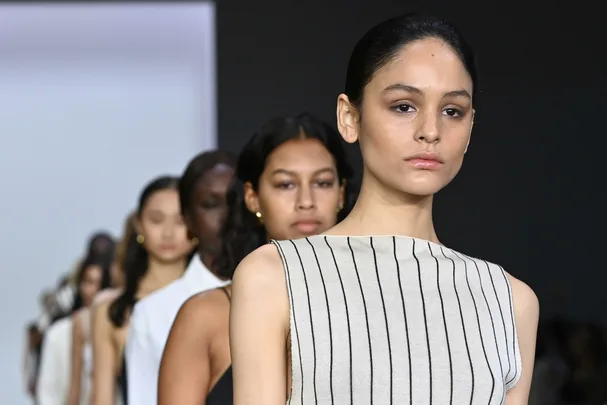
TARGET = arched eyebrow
(316,172)
(411,89)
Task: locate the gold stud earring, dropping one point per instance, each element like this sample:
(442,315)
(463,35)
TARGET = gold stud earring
(140,239)
(194,241)
(259,217)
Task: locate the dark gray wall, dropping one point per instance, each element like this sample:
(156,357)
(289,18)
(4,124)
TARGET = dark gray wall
(521,200)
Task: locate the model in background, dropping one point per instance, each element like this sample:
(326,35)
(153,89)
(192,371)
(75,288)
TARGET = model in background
(202,195)
(293,180)
(156,256)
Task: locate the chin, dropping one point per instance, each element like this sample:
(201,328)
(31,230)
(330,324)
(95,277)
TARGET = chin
(422,190)
(169,257)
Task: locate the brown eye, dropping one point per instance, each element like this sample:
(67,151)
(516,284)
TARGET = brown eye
(325,183)
(452,112)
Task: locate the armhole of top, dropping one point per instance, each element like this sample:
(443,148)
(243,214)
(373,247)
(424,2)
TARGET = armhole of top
(517,352)
(290,336)
(225,291)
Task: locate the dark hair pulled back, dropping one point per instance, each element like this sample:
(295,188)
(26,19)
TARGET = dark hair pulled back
(242,232)
(381,44)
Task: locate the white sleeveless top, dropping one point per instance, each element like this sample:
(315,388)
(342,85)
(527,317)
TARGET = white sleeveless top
(397,320)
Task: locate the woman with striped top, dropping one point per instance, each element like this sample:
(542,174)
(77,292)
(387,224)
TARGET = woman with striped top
(377,310)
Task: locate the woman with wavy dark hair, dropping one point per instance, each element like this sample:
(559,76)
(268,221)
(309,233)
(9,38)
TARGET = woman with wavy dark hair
(156,255)
(292,180)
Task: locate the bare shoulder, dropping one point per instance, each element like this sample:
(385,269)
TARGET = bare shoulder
(102,308)
(526,303)
(199,309)
(101,313)
(261,270)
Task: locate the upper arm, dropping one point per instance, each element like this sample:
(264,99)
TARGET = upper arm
(185,370)
(526,314)
(104,358)
(142,372)
(76,360)
(259,297)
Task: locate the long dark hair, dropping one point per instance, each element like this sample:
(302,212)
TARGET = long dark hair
(95,259)
(136,257)
(242,232)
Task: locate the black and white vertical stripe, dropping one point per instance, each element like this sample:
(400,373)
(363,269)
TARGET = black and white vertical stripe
(397,320)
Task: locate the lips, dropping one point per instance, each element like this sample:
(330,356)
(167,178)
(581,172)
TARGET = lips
(425,160)
(424,163)
(307,226)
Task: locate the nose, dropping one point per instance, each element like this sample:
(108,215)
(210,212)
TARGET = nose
(168,231)
(428,130)
(305,198)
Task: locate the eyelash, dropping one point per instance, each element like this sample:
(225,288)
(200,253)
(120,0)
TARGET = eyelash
(458,113)
(321,183)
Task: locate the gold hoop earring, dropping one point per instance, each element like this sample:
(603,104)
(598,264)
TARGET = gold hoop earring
(194,241)
(140,239)
(341,207)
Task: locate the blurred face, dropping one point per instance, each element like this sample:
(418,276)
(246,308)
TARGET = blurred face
(163,228)
(209,207)
(299,192)
(416,120)
(90,284)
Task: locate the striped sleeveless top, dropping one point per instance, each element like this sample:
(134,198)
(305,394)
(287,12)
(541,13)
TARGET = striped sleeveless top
(397,320)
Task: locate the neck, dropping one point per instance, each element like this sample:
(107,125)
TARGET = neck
(207,258)
(380,212)
(160,274)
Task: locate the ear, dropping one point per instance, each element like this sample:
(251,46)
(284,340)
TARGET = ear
(250,198)
(470,134)
(137,225)
(347,119)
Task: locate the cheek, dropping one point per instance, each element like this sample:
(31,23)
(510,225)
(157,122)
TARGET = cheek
(455,146)
(276,204)
(88,289)
(181,233)
(201,218)
(210,221)
(382,138)
(328,204)
(151,232)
